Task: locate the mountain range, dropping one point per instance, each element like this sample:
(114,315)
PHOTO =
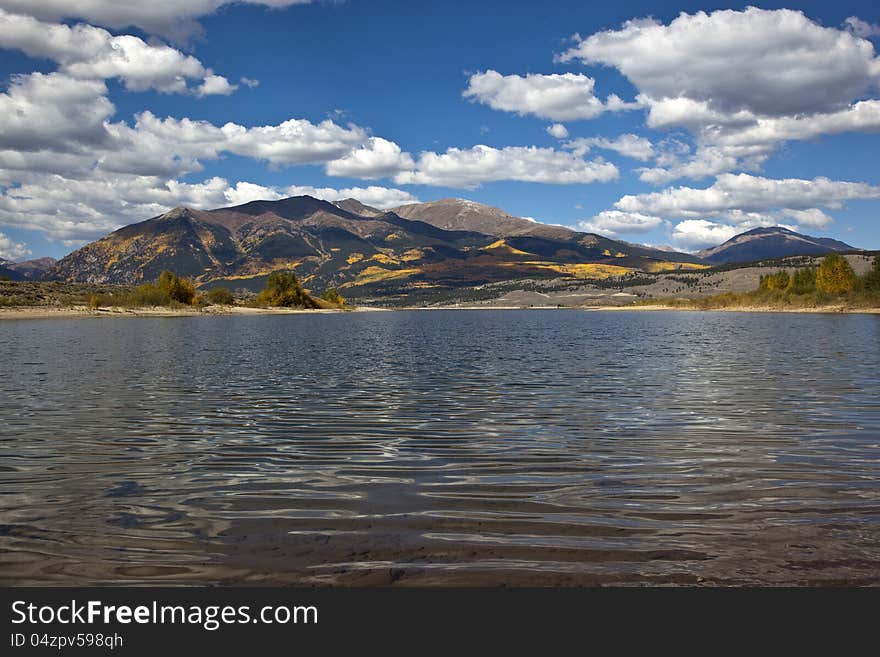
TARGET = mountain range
(26,270)
(450,243)
(365,251)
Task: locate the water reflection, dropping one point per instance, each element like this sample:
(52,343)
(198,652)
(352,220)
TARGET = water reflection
(540,447)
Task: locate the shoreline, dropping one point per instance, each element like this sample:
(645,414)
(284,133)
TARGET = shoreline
(833,310)
(84,312)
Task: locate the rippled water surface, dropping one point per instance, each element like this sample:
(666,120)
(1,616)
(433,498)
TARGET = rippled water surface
(450,447)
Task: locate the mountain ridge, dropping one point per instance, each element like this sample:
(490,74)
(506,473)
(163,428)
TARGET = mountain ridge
(768,243)
(348,244)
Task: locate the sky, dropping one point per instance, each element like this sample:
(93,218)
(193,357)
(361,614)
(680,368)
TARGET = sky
(670,124)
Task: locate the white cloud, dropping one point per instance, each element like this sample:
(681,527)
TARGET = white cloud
(770,63)
(696,234)
(628,145)
(558,97)
(295,141)
(747,193)
(172,18)
(92,53)
(741,82)
(615,222)
(52,111)
(811,217)
(860,28)
(10,250)
(468,168)
(382,198)
(557,130)
(215,85)
(377,158)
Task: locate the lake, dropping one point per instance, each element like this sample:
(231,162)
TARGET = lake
(441,447)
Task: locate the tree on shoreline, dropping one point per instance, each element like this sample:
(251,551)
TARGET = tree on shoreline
(176,288)
(871,280)
(284,289)
(332,295)
(778,281)
(803,281)
(835,275)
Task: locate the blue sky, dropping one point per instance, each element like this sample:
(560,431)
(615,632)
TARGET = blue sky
(719,121)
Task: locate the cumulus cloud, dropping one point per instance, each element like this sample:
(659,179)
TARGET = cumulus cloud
(43,113)
(628,145)
(767,62)
(52,111)
(295,141)
(171,18)
(215,85)
(694,234)
(10,250)
(557,130)
(92,53)
(746,193)
(558,97)
(377,158)
(741,81)
(616,222)
(811,217)
(383,198)
(468,168)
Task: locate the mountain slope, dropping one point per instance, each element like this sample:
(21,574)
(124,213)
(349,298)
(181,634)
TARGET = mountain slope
(356,207)
(768,243)
(460,214)
(352,246)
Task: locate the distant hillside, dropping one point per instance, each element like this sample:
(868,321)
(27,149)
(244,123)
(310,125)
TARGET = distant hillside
(460,214)
(349,245)
(768,243)
(28,270)
(7,272)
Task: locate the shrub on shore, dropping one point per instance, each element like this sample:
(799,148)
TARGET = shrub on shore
(174,288)
(283,289)
(332,295)
(169,290)
(220,296)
